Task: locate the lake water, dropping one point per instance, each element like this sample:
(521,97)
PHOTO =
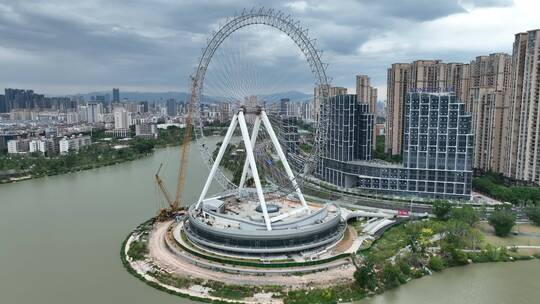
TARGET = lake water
(60,240)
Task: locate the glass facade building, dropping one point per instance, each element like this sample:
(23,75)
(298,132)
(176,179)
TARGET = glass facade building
(437,152)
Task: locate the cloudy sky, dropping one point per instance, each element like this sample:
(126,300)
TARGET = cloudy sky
(67,47)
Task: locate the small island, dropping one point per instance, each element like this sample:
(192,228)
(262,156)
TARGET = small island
(374,255)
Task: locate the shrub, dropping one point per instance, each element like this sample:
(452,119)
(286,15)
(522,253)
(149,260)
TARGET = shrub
(366,277)
(436,263)
(533,213)
(137,250)
(465,214)
(502,221)
(404,267)
(391,276)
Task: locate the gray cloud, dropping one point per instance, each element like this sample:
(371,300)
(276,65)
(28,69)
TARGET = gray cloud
(64,46)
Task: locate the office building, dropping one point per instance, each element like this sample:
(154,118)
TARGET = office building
(419,76)
(284,106)
(172,107)
(489,83)
(116,95)
(3,105)
(437,152)
(522,156)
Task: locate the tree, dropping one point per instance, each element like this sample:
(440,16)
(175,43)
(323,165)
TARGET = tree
(502,221)
(143,146)
(533,213)
(366,277)
(442,209)
(466,214)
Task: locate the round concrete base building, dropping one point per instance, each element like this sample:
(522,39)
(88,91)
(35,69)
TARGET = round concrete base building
(230,224)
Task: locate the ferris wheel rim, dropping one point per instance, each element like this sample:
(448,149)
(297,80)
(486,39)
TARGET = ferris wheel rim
(287,25)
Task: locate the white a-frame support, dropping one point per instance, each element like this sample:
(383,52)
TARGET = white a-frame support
(281,155)
(215,166)
(238,119)
(250,163)
(254,133)
(251,157)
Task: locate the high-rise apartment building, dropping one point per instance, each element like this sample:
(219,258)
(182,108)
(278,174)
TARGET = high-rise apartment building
(317,96)
(367,95)
(421,76)
(94,112)
(397,88)
(121,118)
(522,156)
(489,83)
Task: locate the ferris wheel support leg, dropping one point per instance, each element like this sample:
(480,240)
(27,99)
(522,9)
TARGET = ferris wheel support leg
(253,166)
(282,157)
(215,166)
(254,133)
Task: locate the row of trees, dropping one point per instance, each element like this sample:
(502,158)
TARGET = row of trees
(493,185)
(100,153)
(502,219)
(379,153)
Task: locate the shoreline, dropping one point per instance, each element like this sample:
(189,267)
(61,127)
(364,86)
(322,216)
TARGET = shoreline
(139,268)
(85,168)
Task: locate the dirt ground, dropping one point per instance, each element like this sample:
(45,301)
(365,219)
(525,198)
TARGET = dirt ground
(527,235)
(347,241)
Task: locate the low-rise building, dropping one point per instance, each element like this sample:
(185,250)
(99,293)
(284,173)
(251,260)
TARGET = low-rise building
(73,143)
(18,146)
(148,131)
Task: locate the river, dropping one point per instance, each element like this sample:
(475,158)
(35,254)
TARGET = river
(60,240)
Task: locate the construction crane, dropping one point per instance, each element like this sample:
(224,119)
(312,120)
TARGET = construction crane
(174,205)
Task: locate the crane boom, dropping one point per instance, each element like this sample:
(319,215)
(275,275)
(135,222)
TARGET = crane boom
(182,170)
(162,187)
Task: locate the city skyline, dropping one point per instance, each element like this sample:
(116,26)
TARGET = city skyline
(70,48)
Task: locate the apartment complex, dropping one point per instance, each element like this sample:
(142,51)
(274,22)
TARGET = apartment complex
(490,81)
(419,76)
(522,155)
(73,143)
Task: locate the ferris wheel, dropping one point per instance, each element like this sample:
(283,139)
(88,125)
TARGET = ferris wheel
(235,73)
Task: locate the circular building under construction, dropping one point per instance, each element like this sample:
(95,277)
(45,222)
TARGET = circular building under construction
(232,224)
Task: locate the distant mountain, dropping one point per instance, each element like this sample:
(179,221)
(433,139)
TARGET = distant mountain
(294,96)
